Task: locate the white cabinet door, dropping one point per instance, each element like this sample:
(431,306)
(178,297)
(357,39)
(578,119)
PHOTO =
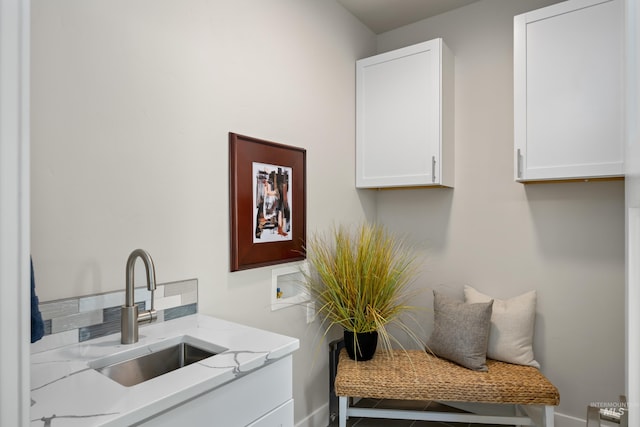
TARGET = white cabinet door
(258,397)
(568,100)
(404,117)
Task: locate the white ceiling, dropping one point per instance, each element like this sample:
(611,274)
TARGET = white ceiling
(385,15)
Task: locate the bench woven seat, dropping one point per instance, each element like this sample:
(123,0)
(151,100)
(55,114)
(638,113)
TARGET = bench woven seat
(417,375)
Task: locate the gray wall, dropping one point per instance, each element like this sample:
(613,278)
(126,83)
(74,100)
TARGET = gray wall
(132,102)
(565,240)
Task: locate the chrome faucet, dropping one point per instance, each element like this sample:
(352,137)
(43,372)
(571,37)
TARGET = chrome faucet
(130,318)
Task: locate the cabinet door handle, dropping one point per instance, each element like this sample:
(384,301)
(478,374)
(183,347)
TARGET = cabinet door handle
(519,163)
(433,169)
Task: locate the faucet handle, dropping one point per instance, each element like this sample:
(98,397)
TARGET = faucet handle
(148,316)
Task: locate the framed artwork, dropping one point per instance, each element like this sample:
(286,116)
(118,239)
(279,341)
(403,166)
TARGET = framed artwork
(267,202)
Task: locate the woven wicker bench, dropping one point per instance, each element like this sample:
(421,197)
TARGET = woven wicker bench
(509,394)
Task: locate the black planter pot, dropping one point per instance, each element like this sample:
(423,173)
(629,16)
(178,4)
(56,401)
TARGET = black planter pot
(364,347)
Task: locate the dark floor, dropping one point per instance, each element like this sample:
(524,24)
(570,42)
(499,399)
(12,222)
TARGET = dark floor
(402,404)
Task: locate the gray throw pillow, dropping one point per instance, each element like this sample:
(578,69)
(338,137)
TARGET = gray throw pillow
(461,331)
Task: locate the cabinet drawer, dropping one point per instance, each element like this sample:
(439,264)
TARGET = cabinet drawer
(237,403)
(279,417)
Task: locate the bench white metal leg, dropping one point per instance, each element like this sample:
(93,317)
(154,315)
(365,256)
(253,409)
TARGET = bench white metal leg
(344,404)
(538,415)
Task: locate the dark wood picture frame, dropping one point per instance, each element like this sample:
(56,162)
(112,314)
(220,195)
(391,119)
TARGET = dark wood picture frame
(289,233)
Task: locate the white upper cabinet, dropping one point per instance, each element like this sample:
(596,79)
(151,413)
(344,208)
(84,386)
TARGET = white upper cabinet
(568,99)
(404,117)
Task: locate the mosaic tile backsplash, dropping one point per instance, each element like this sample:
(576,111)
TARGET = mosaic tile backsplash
(73,320)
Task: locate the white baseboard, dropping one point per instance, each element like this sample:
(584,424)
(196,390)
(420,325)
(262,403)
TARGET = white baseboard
(318,418)
(562,420)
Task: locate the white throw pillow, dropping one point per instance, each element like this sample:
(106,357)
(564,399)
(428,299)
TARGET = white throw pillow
(512,325)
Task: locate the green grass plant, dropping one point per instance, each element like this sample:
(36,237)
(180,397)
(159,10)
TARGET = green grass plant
(360,279)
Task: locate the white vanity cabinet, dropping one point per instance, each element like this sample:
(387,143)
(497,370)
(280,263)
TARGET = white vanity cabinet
(260,398)
(568,98)
(247,382)
(404,117)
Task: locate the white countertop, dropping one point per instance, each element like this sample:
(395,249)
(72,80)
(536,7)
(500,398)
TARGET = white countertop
(66,391)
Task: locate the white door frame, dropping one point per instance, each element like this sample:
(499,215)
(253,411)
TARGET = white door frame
(15,291)
(632,205)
